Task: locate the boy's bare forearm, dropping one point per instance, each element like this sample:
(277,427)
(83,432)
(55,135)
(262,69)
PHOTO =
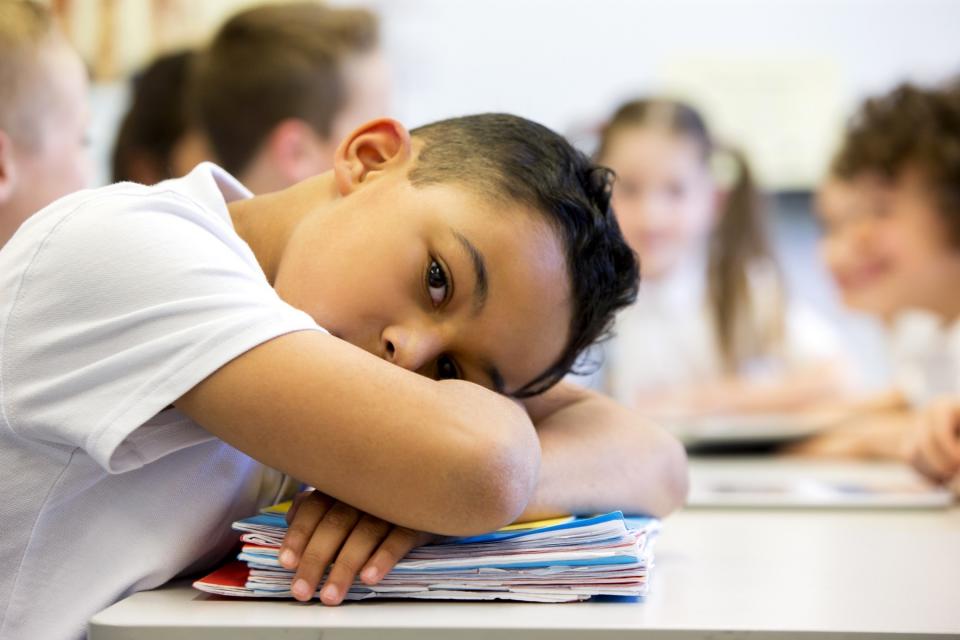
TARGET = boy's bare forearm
(797,391)
(874,426)
(445,457)
(875,435)
(598,456)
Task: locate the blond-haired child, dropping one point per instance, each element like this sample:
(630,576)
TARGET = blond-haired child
(43,114)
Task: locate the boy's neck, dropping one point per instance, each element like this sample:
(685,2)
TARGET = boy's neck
(266,222)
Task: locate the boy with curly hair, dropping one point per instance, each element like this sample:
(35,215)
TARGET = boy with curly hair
(891,214)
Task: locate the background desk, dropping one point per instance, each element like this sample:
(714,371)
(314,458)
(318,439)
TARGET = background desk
(741,573)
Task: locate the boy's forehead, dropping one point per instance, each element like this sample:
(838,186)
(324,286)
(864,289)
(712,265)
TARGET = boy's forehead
(843,195)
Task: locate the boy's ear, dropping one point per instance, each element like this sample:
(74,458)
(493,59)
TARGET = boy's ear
(372,149)
(8,168)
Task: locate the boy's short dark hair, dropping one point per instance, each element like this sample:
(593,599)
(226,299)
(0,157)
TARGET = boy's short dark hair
(157,119)
(274,62)
(909,127)
(509,158)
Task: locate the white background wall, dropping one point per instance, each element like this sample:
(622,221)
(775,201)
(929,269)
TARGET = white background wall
(778,76)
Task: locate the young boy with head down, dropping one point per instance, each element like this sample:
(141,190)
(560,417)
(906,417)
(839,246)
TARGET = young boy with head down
(43,114)
(391,332)
(306,75)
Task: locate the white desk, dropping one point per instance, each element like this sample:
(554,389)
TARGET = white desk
(740,573)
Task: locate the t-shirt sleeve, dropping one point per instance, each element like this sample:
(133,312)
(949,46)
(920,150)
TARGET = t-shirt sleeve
(125,306)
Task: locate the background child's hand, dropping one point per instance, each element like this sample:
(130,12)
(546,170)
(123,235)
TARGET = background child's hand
(934,446)
(324,531)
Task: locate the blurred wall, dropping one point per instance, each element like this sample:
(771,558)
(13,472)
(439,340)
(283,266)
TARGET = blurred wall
(777,76)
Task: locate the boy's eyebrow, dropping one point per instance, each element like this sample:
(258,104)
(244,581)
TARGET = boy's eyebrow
(480,290)
(479,270)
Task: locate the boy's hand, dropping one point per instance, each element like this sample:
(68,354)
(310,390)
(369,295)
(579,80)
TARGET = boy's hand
(324,531)
(934,446)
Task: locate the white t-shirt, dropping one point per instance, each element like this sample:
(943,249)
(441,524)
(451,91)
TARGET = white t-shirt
(925,353)
(666,340)
(113,303)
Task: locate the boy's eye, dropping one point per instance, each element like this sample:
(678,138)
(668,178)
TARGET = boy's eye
(437,283)
(447,368)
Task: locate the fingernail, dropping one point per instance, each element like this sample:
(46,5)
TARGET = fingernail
(301,590)
(288,558)
(330,594)
(369,575)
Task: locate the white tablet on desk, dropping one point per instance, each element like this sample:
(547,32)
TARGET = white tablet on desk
(747,431)
(787,484)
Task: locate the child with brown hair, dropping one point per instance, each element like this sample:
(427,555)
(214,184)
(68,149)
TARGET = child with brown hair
(43,114)
(305,75)
(891,213)
(155,140)
(712,329)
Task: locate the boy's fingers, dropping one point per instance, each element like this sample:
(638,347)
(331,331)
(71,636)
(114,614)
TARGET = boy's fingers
(310,511)
(933,461)
(325,543)
(363,541)
(297,499)
(946,431)
(395,546)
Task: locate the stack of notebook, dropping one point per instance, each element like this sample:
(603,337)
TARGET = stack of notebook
(550,561)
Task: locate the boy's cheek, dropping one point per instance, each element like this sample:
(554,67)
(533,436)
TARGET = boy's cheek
(839,255)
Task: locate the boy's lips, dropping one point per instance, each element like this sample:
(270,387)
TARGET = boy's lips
(862,276)
(653,239)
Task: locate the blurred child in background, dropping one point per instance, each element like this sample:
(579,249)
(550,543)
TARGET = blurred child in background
(43,115)
(304,74)
(712,330)
(155,141)
(891,213)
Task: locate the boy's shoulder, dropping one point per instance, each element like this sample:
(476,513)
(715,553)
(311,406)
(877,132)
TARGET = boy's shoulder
(94,216)
(111,241)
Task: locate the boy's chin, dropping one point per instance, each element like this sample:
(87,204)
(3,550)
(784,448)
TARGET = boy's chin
(874,303)
(654,267)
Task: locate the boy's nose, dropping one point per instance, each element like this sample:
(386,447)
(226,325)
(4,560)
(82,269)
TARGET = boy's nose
(848,246)
(856,235)
(411,348)
(653,209)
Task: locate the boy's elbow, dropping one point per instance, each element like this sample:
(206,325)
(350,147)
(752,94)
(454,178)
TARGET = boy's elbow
(502,470)
(670,476)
